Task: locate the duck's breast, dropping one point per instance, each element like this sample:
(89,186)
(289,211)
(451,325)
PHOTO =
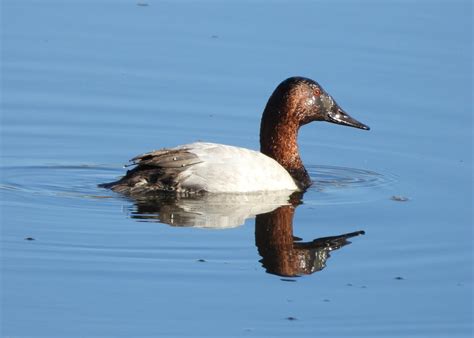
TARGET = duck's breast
(224,168)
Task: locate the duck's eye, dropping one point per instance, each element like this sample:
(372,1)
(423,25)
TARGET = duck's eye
(317,92)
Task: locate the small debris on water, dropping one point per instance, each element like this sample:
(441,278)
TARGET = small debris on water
(399,278)
(201,260)
(399,198)
(29,239)
(326,300)
(142,4)
(349,284)
(291,318)
(215,36)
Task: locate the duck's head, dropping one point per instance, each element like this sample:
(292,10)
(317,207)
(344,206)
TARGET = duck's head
(296,102)
(303,100)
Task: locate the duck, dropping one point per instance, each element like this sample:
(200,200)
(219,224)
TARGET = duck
(204,167)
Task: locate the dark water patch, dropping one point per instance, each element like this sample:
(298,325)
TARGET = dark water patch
(398,198)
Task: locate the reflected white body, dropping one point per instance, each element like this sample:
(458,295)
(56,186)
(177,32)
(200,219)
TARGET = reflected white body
(219,211)
(229,169)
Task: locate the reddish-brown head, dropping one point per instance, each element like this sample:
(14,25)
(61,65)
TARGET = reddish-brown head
(295,102)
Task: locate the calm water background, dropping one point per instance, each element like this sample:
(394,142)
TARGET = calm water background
(86,85)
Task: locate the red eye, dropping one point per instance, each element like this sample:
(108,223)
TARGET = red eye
(317,92)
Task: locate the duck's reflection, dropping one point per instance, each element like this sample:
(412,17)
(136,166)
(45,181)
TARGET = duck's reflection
(282,253)
(286,255)
(216,211)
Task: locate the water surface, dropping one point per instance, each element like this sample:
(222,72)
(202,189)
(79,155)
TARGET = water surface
(89,84)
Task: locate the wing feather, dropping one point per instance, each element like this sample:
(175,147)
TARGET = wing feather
(155,171)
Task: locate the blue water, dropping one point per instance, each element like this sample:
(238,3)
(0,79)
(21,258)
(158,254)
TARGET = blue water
(86,85)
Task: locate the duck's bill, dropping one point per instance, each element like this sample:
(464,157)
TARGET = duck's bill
(341,117)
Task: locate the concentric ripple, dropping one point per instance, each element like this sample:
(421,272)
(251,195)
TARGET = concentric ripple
(343,185)
(332,185)
(58,180)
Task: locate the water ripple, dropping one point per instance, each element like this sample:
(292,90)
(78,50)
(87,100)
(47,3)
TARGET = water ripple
(58,180)
(343,185)
(332,184)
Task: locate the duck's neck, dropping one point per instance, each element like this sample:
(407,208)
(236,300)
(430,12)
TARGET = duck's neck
(278,139)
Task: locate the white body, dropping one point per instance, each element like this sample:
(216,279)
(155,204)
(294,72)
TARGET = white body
(228,169)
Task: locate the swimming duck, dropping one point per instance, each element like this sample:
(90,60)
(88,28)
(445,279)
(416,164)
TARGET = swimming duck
(203,167)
